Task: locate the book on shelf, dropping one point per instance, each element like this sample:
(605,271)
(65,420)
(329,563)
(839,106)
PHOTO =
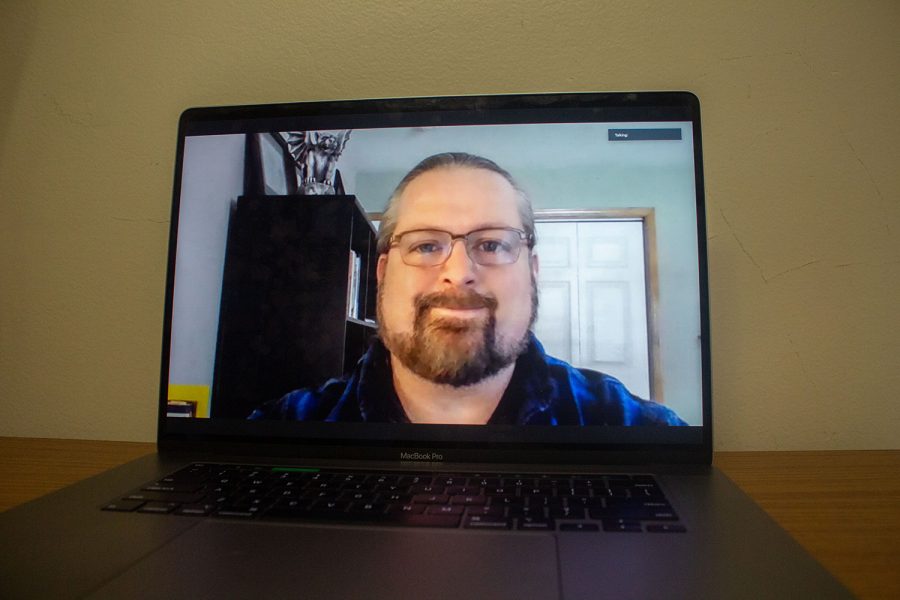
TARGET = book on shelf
(354,275)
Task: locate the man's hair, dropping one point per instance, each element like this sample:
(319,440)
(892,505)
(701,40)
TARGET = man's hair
(443,161)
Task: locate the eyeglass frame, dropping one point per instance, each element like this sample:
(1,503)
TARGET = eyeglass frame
(528,238)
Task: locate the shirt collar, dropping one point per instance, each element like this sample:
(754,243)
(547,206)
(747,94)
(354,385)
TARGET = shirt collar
(529,391)
(375,392)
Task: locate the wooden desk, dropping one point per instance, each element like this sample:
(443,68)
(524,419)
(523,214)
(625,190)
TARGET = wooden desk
(843,507)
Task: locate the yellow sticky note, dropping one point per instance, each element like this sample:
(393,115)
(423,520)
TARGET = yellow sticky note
(196,394)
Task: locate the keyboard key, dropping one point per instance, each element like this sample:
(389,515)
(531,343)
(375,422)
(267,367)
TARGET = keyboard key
(666,528)
(445,521)
(190,474)
(616,491)
(486,482)
(573,491)
(664,515)
(195,510)
(423,489)
(463,490)
(410,480)
(236,513)
(320,495)
(536,524)
(450,481)
(329,506)
(283,512)
(633,514)
(148,496)
(579,527)
(178,488)
(368,508)
(487,522)
(395,498)
(158,507)
(431,499)
(354,496)
(444,510)
(538,501)
(124,505)
(621,525)
(567,512)
(468,500)
(410,509)
(508,500)
(488,511)
(526,511)
(647,492)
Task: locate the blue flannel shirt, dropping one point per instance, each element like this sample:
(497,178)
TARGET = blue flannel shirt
(542,391)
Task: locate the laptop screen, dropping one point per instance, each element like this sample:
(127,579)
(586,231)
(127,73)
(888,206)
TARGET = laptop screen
(317,293)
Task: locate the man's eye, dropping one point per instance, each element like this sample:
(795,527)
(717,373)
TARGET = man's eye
(425,248)
(492,246)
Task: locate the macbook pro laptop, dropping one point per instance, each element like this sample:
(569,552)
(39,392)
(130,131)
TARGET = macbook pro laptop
(426,348)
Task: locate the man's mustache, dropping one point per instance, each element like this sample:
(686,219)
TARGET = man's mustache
(456,299)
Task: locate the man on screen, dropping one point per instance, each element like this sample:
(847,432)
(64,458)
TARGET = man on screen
(457,296)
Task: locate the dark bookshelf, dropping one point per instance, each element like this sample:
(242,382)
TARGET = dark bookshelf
(287,319)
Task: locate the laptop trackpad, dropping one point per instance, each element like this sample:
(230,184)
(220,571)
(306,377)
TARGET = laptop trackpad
(219,559)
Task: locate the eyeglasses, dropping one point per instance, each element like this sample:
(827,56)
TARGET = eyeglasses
(487,247)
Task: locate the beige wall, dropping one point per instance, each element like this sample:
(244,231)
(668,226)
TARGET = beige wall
(801,133)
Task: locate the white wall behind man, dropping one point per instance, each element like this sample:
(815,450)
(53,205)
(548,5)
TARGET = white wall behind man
(801,127)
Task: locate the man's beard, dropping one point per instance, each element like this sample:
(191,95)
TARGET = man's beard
(455,352)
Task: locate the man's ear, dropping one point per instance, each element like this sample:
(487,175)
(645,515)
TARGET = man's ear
(380,267)
(535,267)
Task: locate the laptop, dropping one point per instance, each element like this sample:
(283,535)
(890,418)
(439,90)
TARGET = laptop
(354,405)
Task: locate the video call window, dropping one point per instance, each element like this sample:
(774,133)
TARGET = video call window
(615,229)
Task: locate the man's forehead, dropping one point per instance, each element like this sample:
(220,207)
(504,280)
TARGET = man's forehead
(459,194)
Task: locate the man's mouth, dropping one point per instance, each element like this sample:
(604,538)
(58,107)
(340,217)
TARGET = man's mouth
(440,312)
(462,301)
(454,311)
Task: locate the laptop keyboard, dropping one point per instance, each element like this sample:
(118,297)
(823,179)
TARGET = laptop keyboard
(576,503)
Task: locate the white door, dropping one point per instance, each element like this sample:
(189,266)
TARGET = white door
(593,301)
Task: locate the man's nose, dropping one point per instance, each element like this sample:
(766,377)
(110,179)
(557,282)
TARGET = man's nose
(459,269)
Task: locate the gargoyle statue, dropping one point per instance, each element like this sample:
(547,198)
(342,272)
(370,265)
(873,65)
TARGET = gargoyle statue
(317,153)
